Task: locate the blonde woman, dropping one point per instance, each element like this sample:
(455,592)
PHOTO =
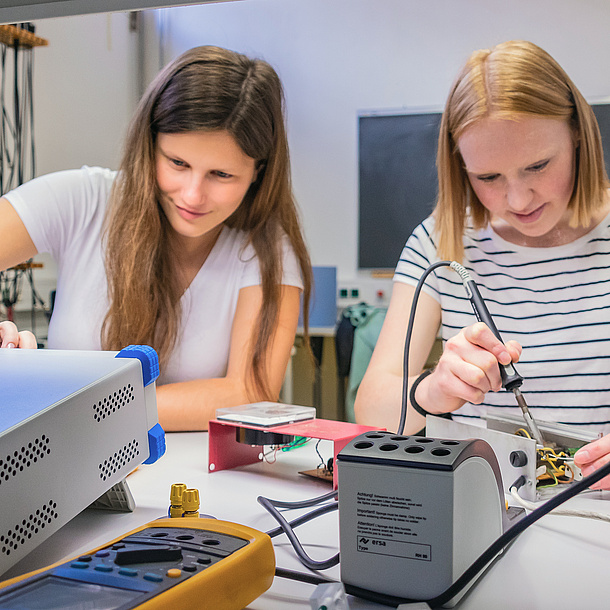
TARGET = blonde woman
(193,247)
(523,204)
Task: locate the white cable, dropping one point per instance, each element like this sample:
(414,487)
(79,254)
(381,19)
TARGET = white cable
(463,273)
(563,512)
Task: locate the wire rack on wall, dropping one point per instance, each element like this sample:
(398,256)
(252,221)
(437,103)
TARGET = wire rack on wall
(9,34)
(17,149)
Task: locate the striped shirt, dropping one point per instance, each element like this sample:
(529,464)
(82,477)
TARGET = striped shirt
(554,301)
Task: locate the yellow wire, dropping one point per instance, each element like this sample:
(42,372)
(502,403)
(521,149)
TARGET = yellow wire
(549,456)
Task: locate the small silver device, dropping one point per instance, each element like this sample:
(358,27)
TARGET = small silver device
(517,454)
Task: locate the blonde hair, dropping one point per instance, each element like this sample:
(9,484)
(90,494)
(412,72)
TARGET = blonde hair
(512,80)
(206,88)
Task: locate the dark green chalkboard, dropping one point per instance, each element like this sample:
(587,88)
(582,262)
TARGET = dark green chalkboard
(397,182)
(397,179)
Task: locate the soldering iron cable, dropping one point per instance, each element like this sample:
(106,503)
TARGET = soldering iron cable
(311,579)
(272,505)
(316,512)
(405,380)
(305,503)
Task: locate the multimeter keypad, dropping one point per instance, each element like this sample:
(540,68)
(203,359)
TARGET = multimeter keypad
(144,563)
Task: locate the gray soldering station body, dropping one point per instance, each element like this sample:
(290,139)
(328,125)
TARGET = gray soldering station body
(73,424)
(415,512)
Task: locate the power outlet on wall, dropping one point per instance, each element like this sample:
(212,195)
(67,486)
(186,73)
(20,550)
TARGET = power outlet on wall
(374,292)
(349,295)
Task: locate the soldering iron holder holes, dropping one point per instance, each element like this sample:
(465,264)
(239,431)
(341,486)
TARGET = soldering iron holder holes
(415,511)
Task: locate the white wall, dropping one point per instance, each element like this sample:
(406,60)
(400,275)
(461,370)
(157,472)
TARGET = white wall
(85,89)
(335,57)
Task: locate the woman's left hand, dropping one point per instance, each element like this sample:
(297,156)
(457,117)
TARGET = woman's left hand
(593,456)
(11,337)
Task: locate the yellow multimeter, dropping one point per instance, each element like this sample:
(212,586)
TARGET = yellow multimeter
(169,563)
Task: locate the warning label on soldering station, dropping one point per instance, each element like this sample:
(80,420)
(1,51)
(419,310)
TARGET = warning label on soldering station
(385,524)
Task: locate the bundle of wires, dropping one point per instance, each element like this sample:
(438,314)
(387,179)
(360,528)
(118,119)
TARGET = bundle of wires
(17,151)
(287,528)
(554,466)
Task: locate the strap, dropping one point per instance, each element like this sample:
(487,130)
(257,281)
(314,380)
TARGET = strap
(414,402)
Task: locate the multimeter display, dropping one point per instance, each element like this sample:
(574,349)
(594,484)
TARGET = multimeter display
(51,593)
(160,565)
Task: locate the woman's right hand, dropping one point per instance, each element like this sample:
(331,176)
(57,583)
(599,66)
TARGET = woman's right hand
(11,337)
(467,369)
(593,456)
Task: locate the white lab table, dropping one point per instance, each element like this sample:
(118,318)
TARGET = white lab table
(559,562)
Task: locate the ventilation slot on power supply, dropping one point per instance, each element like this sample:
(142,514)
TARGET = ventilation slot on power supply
(122,457)
(112,403)
(29,527)
(23,458)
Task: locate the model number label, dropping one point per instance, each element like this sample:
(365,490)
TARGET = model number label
(407,550)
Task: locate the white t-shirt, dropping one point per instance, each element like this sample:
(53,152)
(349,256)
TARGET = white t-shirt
(554,301)
(64,213)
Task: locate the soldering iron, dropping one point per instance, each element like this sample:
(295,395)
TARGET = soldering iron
(511,380)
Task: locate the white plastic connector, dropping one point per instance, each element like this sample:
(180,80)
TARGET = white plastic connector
(329,596)
(570,465)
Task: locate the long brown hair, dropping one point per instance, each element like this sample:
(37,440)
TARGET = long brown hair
(206,88)
(515,78)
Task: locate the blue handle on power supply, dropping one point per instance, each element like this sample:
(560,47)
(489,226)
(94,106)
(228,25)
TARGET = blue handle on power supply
(147,356)
(156,444)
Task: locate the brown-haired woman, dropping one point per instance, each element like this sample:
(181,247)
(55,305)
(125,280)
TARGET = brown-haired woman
(193,247)
(523,204)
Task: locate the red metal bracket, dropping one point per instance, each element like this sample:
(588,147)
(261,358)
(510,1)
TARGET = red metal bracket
(225,452)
